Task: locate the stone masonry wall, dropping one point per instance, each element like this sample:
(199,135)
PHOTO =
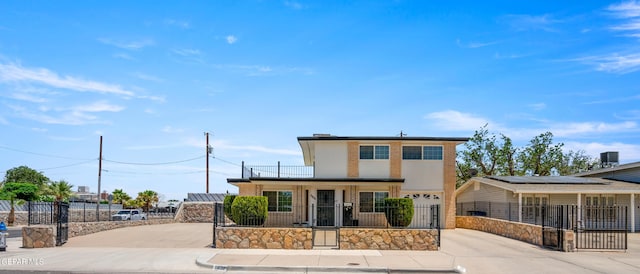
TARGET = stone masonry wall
(82,228)
(264,238)
(39,236)
(302,238)
(388,239)
(195,212)
(524,232)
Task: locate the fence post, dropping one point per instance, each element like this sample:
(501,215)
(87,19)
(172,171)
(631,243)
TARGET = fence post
(215,223)
(29,213)
(278,169)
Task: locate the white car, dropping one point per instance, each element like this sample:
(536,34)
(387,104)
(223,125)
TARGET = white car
(129,214)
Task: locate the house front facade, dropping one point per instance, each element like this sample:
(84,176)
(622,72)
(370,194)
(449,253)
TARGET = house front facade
(351,176)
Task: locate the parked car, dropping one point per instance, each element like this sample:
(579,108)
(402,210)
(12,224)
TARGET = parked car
(129,214)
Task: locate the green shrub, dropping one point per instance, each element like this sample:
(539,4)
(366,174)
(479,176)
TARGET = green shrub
(399,211)
(228,201)
(249,210)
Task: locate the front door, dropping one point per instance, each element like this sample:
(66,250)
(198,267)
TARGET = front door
(326,208)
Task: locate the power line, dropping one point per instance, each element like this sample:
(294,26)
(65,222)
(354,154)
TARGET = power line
(45,155)
(153,164)
(225,161)
(69,165)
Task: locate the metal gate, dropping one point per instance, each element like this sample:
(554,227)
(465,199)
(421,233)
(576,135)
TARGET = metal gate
(62,221)
(435,220)
(218,218)
(555,219)
(602,227)
(325,237)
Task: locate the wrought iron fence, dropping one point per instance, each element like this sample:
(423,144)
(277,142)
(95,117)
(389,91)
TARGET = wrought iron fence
(277,171)
(339,215)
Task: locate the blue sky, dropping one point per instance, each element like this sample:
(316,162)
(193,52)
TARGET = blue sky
(152,76)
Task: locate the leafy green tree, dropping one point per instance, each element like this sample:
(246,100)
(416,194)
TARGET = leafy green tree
(575,162)
(120,197)
(133,203)
(25,174)
(541,155)
(17,193)
(485,154)
(147,198)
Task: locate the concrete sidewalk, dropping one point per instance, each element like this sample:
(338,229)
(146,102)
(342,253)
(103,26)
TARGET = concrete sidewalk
(343,261)
(475,251)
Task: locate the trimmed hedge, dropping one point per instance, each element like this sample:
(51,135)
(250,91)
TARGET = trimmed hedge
(398,211)
(228,201)
(249,210)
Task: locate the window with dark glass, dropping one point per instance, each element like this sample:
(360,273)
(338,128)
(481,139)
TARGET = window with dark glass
(432,152)
(374,152)
(372,201)
(279,201)
(411,153)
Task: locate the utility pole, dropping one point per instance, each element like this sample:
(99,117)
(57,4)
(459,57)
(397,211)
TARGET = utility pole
(208,151)
(99,178)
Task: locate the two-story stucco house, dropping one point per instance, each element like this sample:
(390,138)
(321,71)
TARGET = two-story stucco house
(355,174)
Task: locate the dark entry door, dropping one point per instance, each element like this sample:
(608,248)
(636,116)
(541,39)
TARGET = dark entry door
(326,208)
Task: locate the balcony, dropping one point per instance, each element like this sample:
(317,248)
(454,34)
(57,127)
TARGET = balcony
(277,171)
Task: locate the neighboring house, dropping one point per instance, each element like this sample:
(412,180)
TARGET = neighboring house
(519,198)
(352,175)
(627,173)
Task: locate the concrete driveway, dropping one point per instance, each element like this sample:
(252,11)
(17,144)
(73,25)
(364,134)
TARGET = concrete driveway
(178,235)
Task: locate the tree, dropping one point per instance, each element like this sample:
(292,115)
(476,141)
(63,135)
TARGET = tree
(120,197)
(147,198)
(575,162)
(25,174)
(60,190)
(541,155)
(486,155)
(17,193)
(133,203)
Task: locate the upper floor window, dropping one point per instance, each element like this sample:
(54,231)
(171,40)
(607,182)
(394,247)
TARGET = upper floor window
(432,153)
(422,153)
(374,152)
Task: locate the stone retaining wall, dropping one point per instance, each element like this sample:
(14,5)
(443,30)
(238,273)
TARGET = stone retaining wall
(195,212)
(39,236)
(264,238)
(520,231)
(81,228)
(388,239)
(349,238)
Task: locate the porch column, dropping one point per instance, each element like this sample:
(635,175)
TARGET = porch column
(632,210)
(520,207)
(579,209)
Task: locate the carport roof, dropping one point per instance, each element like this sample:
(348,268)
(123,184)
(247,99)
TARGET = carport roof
(568,186)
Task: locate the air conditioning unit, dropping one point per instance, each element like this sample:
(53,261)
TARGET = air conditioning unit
(609,159)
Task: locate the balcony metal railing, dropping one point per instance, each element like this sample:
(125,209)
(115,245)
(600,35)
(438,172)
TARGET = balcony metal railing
(277,171)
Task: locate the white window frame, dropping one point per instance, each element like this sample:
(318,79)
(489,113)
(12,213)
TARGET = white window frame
(373,209)
(278,200)
(374,151)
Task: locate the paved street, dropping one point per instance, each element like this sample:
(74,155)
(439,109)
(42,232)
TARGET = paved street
(175,248)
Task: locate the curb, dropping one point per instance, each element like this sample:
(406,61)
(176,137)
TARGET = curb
(202,261)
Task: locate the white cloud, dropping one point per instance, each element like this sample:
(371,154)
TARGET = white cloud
(627,152)
(524,22)
(613,63)
(294,5)
(178,23)
(187,52)
(28,98)
(147,77)
(538,106)
(129,45)
(170,129)
(628,9)
(100,106)
(457,121)
(123,56)
(3,121)
(17,73)
(231,39)
(474,45)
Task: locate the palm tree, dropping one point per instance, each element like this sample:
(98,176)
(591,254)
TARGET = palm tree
(60,190)
(147,198)
(120,197)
